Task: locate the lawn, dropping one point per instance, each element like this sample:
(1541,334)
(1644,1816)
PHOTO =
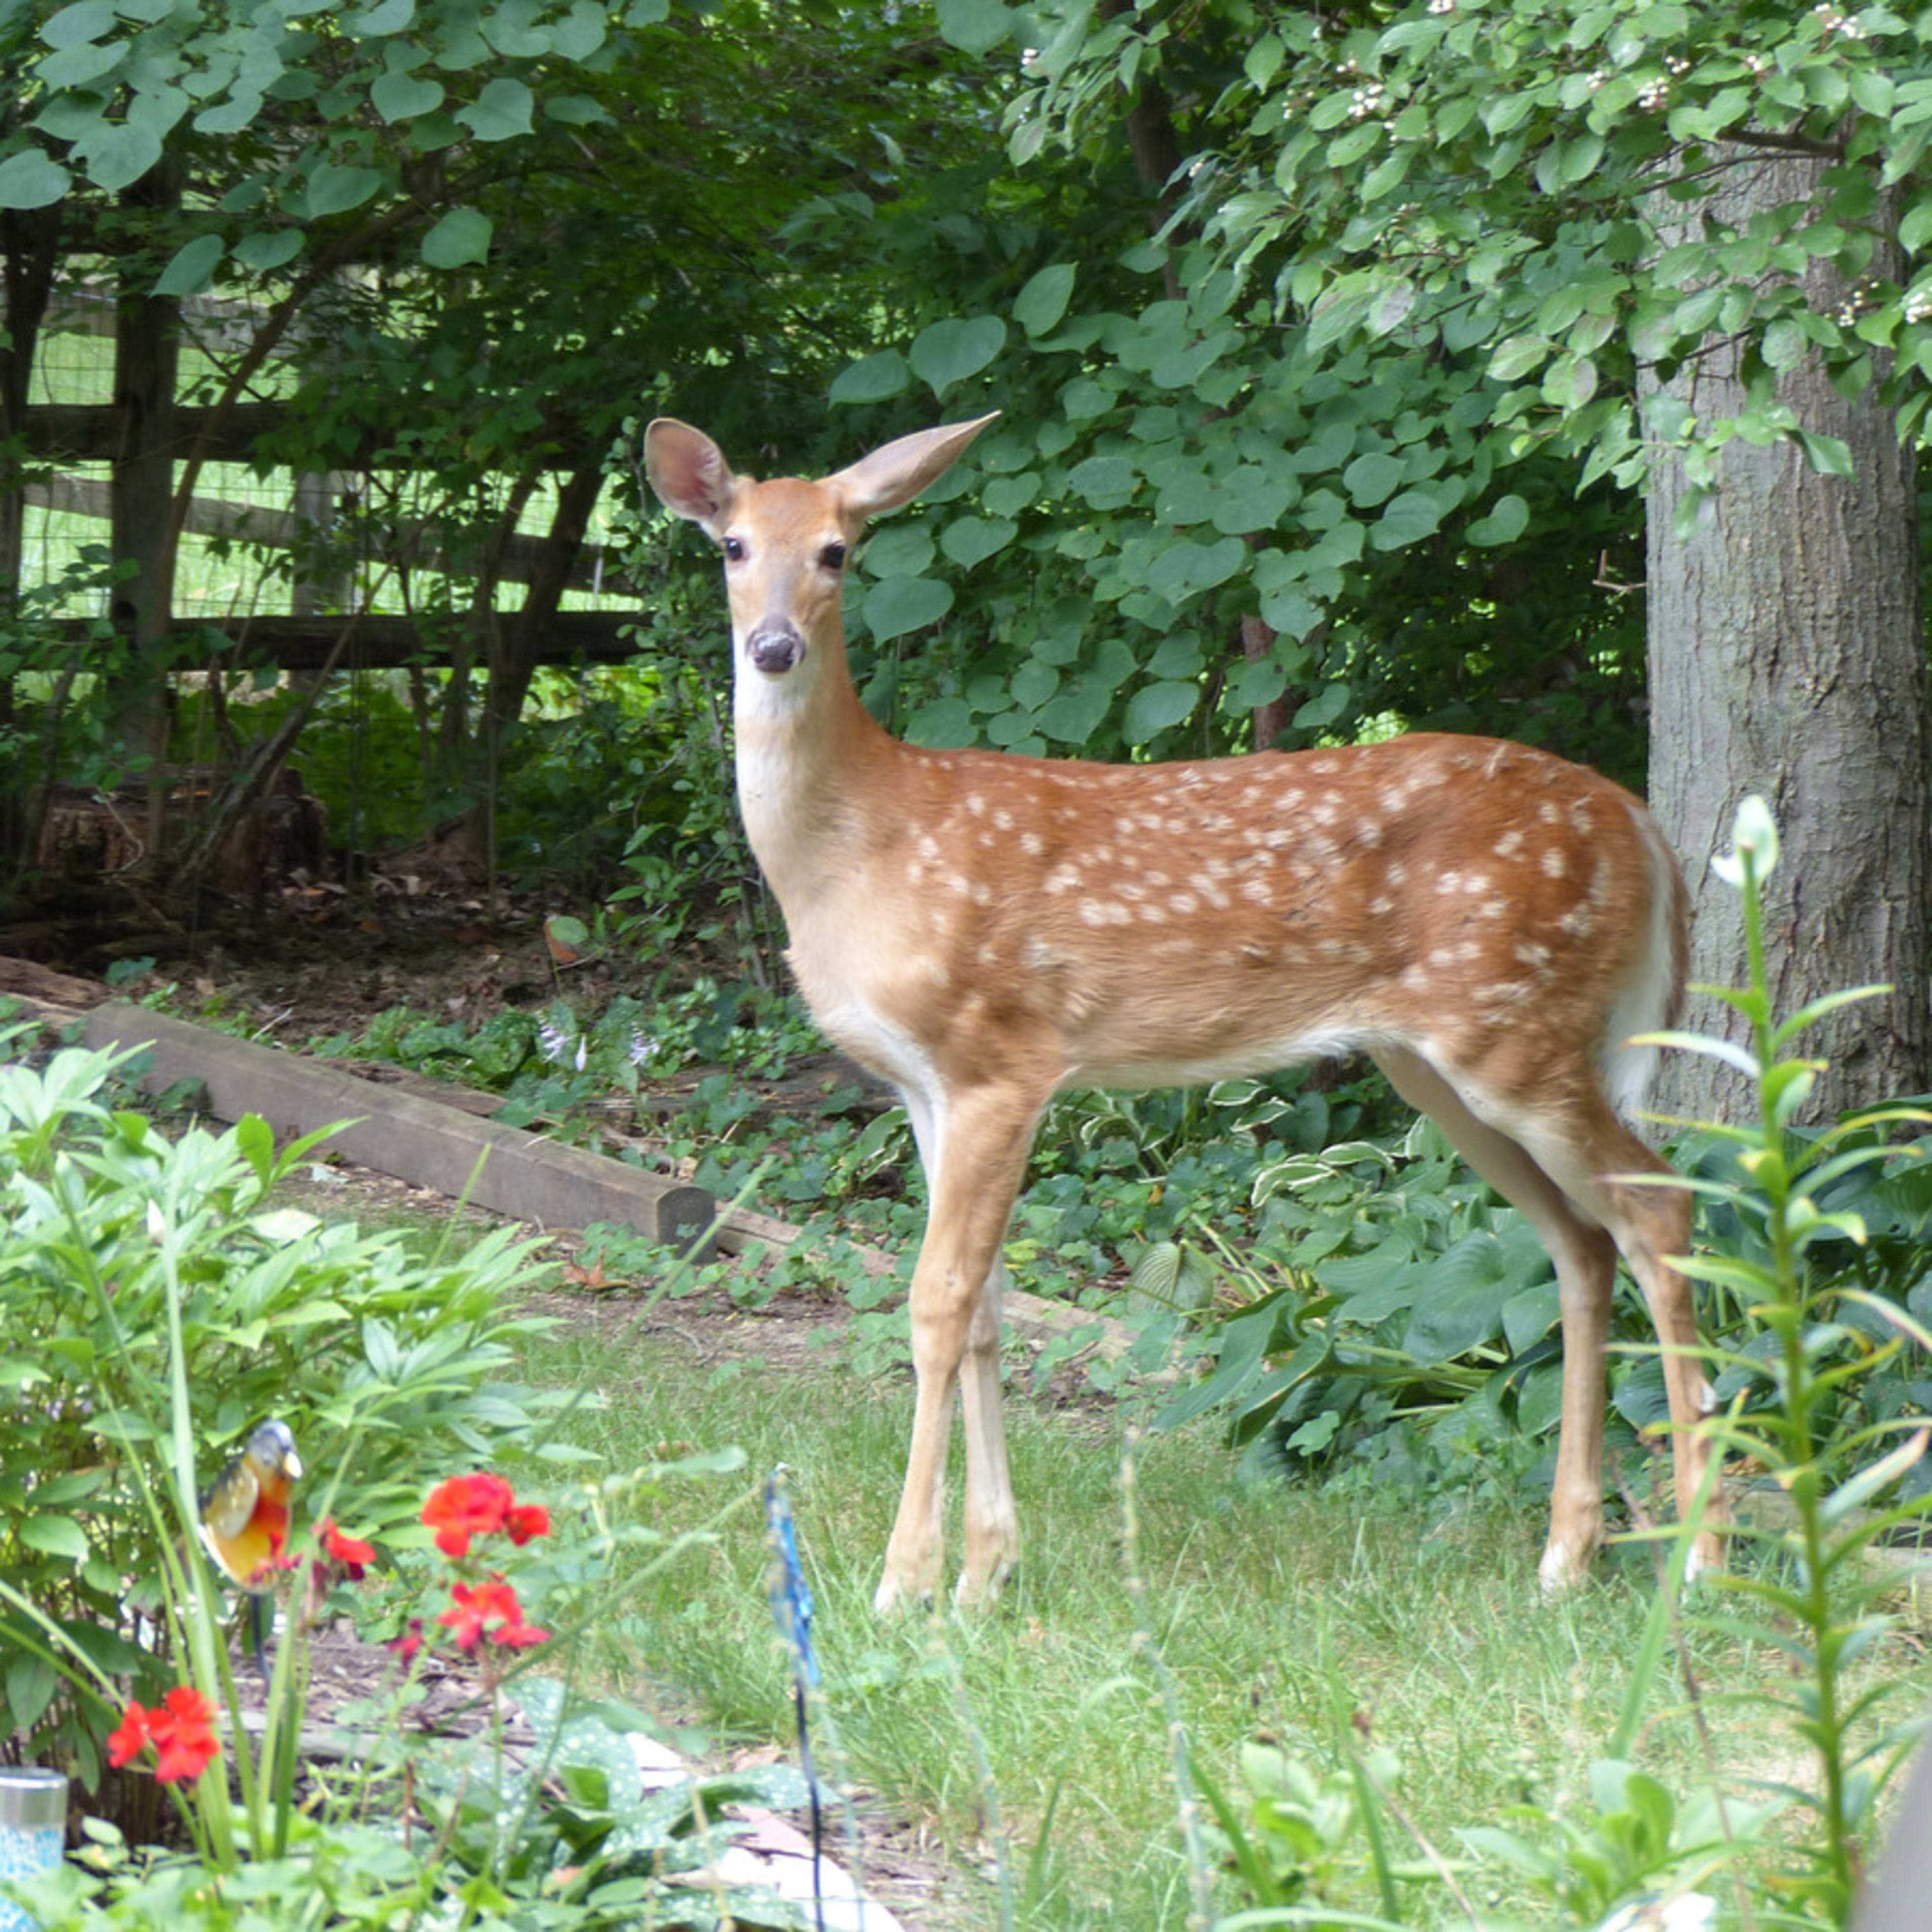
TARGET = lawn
(1031,1744)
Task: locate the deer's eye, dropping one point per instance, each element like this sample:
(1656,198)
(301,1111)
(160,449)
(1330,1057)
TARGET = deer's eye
(734,550)
(832,556)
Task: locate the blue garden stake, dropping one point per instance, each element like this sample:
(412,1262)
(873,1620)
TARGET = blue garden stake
(792,1611)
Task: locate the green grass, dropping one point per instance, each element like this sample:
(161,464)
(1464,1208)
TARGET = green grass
(1296,1614)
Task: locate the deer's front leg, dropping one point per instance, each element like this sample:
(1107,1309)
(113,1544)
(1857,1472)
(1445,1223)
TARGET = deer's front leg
(975,1144)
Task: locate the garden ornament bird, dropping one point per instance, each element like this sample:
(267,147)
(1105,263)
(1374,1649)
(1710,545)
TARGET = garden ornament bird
(244,1519)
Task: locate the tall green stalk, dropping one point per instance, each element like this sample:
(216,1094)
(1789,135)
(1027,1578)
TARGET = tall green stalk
(1804,1585)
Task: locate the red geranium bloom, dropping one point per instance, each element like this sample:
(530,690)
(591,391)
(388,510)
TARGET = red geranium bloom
(467,1506)
(525,1521)
(355,1556)
(518,1636)
(126,1743)
(184,1733)
(411,1641)
(181,1729)
(474,1609)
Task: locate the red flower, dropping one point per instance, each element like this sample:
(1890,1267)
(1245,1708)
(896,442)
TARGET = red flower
(474,1609)
(525,1521)
(184,1733)
(467,1506)
(181,1730)
(126,1743)
(411,1641)
(355,1556)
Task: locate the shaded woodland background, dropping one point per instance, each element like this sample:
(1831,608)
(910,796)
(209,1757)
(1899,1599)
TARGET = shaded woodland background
(1552,371)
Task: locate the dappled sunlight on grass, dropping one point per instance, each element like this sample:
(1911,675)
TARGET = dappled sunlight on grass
(1300,1614)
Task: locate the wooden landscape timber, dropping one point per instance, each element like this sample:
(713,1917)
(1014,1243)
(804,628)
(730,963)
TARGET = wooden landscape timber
(427,1142)
(434,1136)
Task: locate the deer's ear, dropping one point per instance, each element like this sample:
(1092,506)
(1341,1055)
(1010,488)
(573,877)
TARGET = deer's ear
(898,472)
(688,471)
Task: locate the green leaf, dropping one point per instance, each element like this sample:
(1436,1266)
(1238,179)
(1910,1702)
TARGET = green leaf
(117,157)
(575,110)
(385,16)
(975,26)
(1409,518)
(402,97)
(230,116)
(334,189)
(1915,227)
(1324,709)
(192,268)
(968,540)
(873,379)
(1515,358)
(1156,708)
(898,605)
(500,112)
(54,1536)
(948,352)
(1075,715)
(73,26)
(462,236)
(1039,305)
(1828,455)
(1503,524)
(30,179)
(31,1683)
(904,549)
(1105,482)
(262,253)
(1373,479)
(81,64)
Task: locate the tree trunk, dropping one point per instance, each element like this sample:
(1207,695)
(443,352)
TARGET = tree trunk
(1787,658)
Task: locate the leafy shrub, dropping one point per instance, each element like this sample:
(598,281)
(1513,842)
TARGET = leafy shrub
(127,1258)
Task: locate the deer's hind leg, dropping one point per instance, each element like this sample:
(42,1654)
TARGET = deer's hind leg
(1585,1256)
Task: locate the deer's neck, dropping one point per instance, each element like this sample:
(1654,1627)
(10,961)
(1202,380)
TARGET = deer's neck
(811,761)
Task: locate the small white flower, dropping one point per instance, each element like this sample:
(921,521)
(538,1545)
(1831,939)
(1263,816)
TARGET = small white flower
(1753,830)
(1689,1912)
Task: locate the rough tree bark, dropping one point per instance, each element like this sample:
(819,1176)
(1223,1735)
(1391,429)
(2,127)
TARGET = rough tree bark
(1786,653)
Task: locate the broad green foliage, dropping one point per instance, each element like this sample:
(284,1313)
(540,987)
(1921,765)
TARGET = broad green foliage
(351,1339)
(109,92)
(1423,277)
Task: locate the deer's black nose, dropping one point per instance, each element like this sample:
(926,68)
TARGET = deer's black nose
(776,649)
